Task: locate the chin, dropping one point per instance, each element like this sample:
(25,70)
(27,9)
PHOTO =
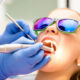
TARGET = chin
(50,66)
(53,65)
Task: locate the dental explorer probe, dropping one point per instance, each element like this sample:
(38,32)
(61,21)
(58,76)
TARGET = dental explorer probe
(10,18)
(11,47)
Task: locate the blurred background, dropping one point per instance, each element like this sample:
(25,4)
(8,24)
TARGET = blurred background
(30,10)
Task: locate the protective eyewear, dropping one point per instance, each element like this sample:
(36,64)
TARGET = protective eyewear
(63,25)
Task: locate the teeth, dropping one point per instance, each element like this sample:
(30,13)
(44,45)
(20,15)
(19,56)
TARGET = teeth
(47,41)
(52,49)
(50,41)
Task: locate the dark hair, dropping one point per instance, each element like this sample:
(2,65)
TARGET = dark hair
(76,76)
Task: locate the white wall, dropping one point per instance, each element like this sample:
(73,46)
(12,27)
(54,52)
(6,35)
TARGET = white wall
(2,18)
(74,4)
(61,3)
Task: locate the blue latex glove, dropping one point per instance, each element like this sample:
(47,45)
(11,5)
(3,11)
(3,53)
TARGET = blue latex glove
(12,32)
(22,61)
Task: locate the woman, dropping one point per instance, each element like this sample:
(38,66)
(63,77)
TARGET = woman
(64,37)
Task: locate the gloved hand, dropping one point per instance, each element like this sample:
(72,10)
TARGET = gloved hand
(12,32)
(22,61)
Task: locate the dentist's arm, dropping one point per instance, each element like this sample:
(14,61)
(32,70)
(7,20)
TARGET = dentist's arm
(12,32)
(22,61)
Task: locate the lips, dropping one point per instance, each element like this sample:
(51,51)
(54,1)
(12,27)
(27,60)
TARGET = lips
(50,42)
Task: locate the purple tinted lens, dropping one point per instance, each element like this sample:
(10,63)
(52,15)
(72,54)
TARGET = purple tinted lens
(42,23)
(67,25)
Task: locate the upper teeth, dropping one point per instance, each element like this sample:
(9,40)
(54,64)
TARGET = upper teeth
(50,41)
(47,41)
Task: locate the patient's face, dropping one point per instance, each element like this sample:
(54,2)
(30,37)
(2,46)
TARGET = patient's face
(67,46)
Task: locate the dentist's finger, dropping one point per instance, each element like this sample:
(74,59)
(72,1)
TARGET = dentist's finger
(37,58)
(27,29)
(42,63)
(23,40)
(30,51)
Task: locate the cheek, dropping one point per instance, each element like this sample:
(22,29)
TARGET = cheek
(62,60)
(65,57)
(67,53)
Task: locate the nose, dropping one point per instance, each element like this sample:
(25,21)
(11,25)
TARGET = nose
(52,29)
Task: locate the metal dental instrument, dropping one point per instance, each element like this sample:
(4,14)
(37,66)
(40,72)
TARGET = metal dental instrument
(10,18)
(11,47)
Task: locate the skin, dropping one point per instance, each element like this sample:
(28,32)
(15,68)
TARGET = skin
(64,62)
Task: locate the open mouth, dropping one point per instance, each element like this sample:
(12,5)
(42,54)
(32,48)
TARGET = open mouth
(49,42)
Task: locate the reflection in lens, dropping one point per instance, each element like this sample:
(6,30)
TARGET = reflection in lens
(42,23)
(62,28)
(67,25)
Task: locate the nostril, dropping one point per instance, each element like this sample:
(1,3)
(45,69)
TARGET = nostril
(47,30)
(53,31)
